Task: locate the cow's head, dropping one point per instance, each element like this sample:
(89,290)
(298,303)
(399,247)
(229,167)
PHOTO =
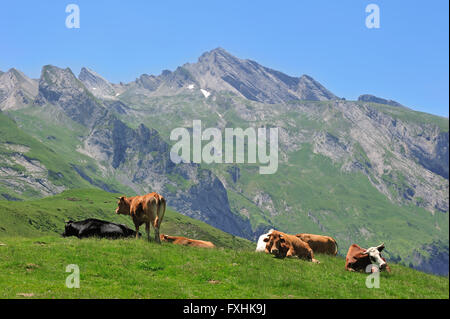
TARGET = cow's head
(276,244)
(123,206)
(69,230)
(166,238)
(374,254)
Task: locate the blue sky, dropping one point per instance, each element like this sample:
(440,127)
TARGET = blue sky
(406,59)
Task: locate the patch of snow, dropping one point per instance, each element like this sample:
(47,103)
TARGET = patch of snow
(191,86)
(205,93)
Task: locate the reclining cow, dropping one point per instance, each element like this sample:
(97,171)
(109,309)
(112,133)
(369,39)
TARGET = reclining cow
(148,209)
(282,245)
(359,258)
(261,245)
(320,244)
(92,227)
(178,240)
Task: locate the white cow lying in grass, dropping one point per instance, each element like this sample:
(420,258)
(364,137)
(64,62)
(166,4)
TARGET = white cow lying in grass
(261,245)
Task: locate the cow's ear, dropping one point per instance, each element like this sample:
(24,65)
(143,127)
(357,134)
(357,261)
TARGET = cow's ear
(380,247)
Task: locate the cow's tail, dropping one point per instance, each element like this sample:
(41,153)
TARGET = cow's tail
(160,210)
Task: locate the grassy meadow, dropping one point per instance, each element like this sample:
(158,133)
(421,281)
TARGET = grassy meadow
(34,257)
(35,268)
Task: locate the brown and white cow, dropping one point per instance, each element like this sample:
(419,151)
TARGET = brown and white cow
(261,245)
(359,258)
(320,244)
(148,209)
(283,245)
(178,240)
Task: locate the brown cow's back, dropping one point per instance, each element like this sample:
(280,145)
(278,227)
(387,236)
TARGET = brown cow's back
(355,259)
(320,244)
(178,240)
(295,246)
(147,209)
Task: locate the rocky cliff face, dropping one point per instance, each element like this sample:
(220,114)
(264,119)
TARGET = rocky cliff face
(60,87)
(96,84)
(398,156)
(16,90)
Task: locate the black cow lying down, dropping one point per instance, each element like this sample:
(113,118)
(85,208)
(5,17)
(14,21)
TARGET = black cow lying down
(92,227)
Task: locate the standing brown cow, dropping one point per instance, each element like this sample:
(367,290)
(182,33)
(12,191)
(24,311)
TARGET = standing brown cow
(283,245)
(148,209)
(320,244)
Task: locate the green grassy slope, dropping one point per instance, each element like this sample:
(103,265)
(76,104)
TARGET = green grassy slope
(413,116)
(46,217)
(138,269)
(56,131)
(59,170)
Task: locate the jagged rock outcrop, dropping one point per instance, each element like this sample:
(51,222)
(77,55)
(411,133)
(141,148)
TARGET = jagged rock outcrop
(16,90)
(60,87)
(218,70)
(433,153)
(96,84)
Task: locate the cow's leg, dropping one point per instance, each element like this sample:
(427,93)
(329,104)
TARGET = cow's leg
(290,253)
(136,225)
(311,257)
(147,230)
(157,239)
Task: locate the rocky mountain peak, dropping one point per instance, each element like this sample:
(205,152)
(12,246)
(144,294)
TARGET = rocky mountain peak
(218,70)
(16,89)
(217,56)
(60,87)
(95,83)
